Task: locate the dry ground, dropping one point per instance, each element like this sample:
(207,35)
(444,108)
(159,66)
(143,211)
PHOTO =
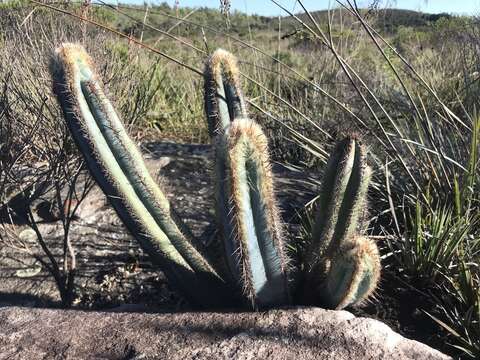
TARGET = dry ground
(112,269)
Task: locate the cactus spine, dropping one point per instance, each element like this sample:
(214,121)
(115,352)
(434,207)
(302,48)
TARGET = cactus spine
(224,100)
(353,274)
(342,267)
(117,165)
(246,208)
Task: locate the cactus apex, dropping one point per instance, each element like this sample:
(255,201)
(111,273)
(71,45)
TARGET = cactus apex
(224,101)
(222,58)
(68,56)
(67,50)
(353,275)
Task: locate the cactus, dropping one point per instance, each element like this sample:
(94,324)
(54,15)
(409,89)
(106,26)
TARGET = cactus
(248,263)
(342,267)
(224,100)
(246,208)
(117,165)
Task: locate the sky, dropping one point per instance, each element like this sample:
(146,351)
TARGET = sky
(268,8)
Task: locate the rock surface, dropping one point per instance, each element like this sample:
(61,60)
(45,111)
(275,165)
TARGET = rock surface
(301,333)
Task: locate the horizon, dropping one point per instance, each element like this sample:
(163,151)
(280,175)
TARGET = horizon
(268,8)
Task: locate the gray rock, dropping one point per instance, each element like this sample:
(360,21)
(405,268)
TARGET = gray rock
(301,333)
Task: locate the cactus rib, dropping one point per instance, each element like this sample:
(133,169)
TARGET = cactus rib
(353,274)
(342,267)
(246,208)
(334,185)
(117,165)
(224,100)
(249,215)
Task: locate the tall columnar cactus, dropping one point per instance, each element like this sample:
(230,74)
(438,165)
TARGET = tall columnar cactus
(224,101)
(117,165)
(246,208)
(342,266)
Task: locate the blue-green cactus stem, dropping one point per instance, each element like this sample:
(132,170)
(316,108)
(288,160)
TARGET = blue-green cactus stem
(117,165)
(249,216)
(224,100)
(339,262)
